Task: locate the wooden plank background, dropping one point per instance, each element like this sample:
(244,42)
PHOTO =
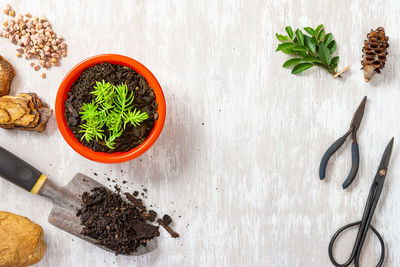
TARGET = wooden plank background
(246,182)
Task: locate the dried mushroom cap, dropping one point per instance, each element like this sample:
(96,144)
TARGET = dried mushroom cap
(15,108)
(7,74)
(25,112)
(4,116)
(33,109)
(374,52)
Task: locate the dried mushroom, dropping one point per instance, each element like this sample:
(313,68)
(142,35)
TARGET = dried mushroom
(25,112)
(7,74)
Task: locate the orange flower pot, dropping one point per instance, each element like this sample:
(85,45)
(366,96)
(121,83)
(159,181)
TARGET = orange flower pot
(103,157)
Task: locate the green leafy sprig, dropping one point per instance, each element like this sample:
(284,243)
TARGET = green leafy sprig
(112,109)
(315,48)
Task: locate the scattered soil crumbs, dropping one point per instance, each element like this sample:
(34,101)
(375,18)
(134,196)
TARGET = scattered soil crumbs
(167,219)
(144,100)
(114,223)
(167,228)
(152,215)
(136,201)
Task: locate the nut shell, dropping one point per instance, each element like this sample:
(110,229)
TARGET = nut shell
(374,53)
(21,241)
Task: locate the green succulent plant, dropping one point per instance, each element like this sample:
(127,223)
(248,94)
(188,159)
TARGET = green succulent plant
(112,109)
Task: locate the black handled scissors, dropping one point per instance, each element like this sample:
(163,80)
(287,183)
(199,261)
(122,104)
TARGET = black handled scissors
(365,223)
(355,156)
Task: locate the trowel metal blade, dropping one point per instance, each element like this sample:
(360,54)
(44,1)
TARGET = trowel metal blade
(64,217)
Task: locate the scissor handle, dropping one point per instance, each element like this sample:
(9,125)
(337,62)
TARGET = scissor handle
(355,255)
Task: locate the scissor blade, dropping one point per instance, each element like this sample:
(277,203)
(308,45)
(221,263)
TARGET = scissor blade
(358,115)
(386,156)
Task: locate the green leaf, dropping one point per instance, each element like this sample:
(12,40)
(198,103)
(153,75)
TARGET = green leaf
(302,53)
(89,111)
(284,46)
(332,46)
(309,44)
(334,60)
(135,117)
(103,92)
(291,62)
(300,36)
(288,51)
(310,31)
(289,31)
(309,58)
(324,54)
(110,144)
(301,67)
(313,47)
(282,38)
(321,35)
(314,40)
(328,38)
(319,28)
(322,66)
(299,48)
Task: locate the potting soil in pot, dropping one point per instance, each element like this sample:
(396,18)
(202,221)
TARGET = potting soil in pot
(144,100)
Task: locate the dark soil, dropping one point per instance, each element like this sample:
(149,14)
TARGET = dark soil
(115,74)
(136,201)
(115,223)
(167,228)
(152,215)
(167,219)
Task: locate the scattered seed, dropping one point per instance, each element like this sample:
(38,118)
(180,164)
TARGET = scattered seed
(43,75)
(12,13)
(36,67)
(18,54)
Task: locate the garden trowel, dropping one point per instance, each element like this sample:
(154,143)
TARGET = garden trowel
(66,200)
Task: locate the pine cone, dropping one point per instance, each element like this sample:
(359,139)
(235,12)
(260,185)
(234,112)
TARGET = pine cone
(374,53)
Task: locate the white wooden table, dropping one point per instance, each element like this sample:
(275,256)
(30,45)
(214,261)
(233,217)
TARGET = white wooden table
(246,182)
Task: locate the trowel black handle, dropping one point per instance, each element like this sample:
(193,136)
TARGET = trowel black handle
(19,172)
